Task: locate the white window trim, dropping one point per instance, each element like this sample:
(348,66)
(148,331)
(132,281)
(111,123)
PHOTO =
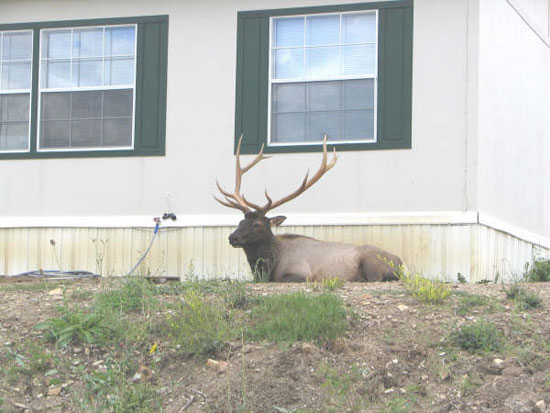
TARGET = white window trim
(272,81)
(19,91)
(88,88)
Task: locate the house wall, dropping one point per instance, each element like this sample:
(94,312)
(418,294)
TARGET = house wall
(200,125)
(514,109)
(420,203)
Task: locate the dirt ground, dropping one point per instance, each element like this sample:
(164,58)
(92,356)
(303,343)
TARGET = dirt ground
(395,357)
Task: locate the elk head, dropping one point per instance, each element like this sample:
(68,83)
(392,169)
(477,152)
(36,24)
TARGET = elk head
(255,229)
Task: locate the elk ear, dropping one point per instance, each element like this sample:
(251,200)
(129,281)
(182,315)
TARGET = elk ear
(276,221)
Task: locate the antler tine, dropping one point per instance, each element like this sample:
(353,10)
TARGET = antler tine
(307,182)
(236,199)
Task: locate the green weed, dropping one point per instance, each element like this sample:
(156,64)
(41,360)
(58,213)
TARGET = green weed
(199,327)
(426,290)
(298,316)
(72,326)
(524,298)
(480,336)
(539,272)
(468,302)
(111,390)
(135,294)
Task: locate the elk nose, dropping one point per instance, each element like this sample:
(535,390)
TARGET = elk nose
(232,239)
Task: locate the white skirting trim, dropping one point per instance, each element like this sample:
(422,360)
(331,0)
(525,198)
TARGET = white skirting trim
(327,219)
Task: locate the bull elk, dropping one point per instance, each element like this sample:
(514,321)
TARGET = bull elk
(296,258)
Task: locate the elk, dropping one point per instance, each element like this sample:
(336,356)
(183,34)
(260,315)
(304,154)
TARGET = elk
(297,258)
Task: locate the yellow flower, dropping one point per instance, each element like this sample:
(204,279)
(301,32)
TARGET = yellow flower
(153,348)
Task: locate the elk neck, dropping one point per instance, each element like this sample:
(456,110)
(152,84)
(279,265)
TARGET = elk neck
(262,255)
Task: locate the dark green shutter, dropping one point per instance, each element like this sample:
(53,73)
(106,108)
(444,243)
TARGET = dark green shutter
(152,56)
(252,81)
(394,76)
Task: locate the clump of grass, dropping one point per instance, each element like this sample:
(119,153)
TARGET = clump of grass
(111,389)
(262,271)
(524,298)
(467,302)
(135,294)
(72,326)
(480,336)
(426,290)
(539,272)
(199,327)
(297,316)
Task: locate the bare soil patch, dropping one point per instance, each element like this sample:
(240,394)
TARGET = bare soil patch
(396,356)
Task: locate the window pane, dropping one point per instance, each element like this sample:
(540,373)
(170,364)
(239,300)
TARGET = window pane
(56,74)
(117,132)
(321,123)
(55,106)
(17,46)
(16,76)
(87,72)
(323,30)
(86,133)
(359,124)
(358,28)
(358,94)
(14,108)
(86,119)
(119,72)
(118,103)
(288,64)
(290,97)
(86,104)
(288,32)
(288,127)
(323,62)
(119,41)
(55,134)
(323,96)
(56,44)
(88,42)
(14,136)
(359,60)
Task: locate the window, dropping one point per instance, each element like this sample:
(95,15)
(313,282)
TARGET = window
(344,71)
(83,88)
(323,78)
(15,90)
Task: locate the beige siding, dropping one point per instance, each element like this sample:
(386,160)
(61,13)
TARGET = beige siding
(442,251)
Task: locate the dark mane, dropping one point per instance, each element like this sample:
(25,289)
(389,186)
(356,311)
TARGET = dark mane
(292,236)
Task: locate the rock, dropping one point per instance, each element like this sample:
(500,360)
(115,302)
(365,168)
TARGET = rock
(388,391)
(77,350)
(444,375)
(216,365)
(307,348)
(540,407)
(498,362)
(20,405)
(424,377)
(56,291)
(54,391)
(402,307)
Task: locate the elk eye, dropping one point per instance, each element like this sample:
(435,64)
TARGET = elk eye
(257,225)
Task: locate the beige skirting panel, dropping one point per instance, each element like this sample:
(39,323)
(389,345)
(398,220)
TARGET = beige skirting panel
(475,251)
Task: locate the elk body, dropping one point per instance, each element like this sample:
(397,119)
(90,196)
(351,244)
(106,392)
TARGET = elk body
(296,258)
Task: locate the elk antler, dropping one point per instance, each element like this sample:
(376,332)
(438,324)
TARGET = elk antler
(236,200)
(306,183)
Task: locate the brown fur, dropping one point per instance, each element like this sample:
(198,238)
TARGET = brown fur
(296,258)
